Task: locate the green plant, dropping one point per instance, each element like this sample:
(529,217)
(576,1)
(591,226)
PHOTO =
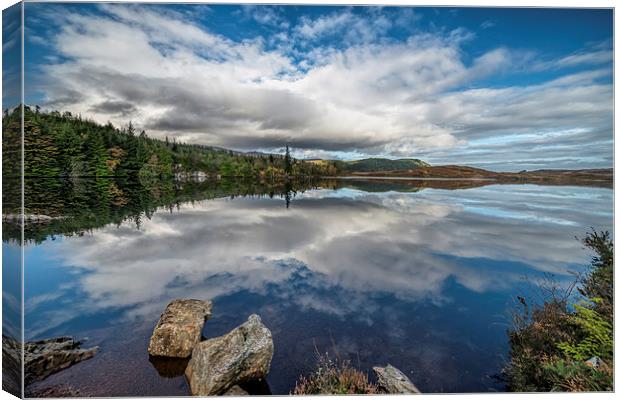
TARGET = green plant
(595,338)
(577,376)
(599,281)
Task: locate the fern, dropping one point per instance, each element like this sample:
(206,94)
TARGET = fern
(598,335)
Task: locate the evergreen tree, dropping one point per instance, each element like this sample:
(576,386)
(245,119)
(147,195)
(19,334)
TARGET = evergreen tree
(288,167)
(61,144)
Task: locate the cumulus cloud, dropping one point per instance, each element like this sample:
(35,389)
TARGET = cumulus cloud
(368,94)
(350,27)
(269,16)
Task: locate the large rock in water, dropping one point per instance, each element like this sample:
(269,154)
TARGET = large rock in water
(179,328)
(11,366)
(45,357)
(244,354)
(391,380)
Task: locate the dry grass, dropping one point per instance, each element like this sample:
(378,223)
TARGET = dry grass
(334,377)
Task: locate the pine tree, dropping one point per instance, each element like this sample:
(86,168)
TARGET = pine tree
(288,166)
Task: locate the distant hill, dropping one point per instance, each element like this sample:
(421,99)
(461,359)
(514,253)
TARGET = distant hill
(384,164)
(376,164)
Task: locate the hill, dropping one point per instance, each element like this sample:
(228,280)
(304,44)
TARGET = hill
(584,177)
(372,164)
(383,164)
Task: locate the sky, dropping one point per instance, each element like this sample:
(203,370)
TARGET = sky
(498,88)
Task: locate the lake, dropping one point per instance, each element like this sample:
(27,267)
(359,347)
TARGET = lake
(418,275)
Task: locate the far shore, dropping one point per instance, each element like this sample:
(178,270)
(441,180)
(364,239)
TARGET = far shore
(552,177)
(405,178)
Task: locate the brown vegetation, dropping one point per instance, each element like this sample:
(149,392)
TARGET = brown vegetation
(333,377)
(584,177)
(559,346)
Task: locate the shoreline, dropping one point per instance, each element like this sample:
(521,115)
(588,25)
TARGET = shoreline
(538,179)
(407,178)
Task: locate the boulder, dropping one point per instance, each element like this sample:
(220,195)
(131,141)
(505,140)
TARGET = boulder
(236,391)
(45,357)
(391,380)
(244,354)
(179,328)
(11,366)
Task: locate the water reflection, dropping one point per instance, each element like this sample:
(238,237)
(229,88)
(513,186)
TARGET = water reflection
(422,279)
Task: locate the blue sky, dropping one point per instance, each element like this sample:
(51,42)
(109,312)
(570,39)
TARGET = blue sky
(501,88)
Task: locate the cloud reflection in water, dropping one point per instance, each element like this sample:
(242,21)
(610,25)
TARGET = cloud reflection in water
(340,254)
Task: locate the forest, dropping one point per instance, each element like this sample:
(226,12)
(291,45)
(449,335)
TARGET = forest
(63,145)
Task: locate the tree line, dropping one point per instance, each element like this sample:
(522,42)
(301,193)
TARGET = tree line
(65,145)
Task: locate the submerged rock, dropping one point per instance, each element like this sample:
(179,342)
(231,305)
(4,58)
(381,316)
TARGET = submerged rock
(55,391)
(169,367)
(244,354)
(179,328)
(45,357)
(236,391)
(391,380)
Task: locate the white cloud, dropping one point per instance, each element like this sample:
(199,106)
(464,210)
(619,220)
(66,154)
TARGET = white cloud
(349,26)
(597,55)
(487,24)
(269,16)
(369,95)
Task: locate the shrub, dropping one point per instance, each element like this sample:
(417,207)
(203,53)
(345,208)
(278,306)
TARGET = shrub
(551,342)
(577,376)
(599,281)
(533,343)
(596,336)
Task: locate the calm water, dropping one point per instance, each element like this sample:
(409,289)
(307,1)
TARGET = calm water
(423,279)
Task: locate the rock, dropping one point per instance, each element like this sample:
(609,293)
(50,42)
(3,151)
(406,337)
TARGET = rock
(595,362)
(41,359)
(30,218)
(49,356)
(179,328)
(236,391)
(393,381)
(11,366)
(169,367)
(244,354)
(258,387)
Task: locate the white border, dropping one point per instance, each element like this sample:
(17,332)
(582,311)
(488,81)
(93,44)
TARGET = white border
(457,3)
